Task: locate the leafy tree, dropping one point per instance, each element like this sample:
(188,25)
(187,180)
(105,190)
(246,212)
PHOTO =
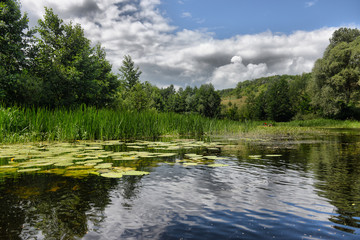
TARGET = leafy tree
(232,112)
(298,94)
(255,106)
(130,74)
(180,101)
(13,42)
(335,85)
(278,106)
(208,101)
(169,98)
(71,71)
(191,99)
(12,36)
(346,35)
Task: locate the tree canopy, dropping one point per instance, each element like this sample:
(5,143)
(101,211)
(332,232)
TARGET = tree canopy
(336,77)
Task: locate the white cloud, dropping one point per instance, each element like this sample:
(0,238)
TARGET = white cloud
(311,3)
(229,75)
(186,15)
(168,55)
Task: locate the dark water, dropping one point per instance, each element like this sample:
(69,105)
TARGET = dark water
(311,191)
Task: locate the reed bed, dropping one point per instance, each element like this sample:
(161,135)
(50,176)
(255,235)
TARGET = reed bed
(19,124)
(88,123)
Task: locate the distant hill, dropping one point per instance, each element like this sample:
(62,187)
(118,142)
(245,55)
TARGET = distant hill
(233,100)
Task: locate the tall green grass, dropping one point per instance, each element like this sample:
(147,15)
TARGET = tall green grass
(88,123)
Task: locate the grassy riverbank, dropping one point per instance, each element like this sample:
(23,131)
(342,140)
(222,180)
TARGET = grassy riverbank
(87,123)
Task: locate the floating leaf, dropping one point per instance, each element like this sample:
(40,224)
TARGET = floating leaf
(28,170)
(133,158)
(93,161)
(103,165)
(210,157)
(124,169)
(63,164)
(112,175)
(45,164)
(273,155)
(189,164)
(7,166)
(217,165)
(135,173)
(213,149)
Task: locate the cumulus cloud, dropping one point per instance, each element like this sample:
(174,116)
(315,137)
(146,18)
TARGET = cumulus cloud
(310,3)
(228,76)
(169,55)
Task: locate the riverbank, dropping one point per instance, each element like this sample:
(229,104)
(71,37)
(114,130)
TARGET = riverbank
(88,123)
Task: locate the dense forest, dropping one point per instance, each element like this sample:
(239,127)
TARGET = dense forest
(55,66)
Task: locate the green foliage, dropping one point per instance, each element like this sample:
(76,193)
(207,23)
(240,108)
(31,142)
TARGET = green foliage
(278,107)
(346,35)
(335,85)
(12,36)
(70,71)
(13,44)
(208,101)
(274,103)
(130,75)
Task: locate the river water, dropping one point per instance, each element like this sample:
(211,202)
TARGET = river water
(303,189)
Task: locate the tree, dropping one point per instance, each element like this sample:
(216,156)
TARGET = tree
(130,74)
(208,101)
(278,106)
(335,85)
(13,42)
(12,35)
(346,35)
(255,106)
(71,71)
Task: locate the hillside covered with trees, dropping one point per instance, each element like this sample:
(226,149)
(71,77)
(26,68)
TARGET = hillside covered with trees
(331,90)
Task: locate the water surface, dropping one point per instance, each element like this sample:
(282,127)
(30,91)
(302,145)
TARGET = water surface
(306,189)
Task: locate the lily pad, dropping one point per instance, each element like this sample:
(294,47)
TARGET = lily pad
(217,165)
(28,170)
(189,164)
(135,173)
(273,155)
(213,149)
(112,175)
(133,158)
(167,154)
(210,157)
(63,164)
(103,166)
(7,166)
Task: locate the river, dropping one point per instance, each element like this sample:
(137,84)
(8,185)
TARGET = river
(307,188)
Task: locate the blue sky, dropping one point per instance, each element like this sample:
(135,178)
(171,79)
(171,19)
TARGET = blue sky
(192,42)
(227,18)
